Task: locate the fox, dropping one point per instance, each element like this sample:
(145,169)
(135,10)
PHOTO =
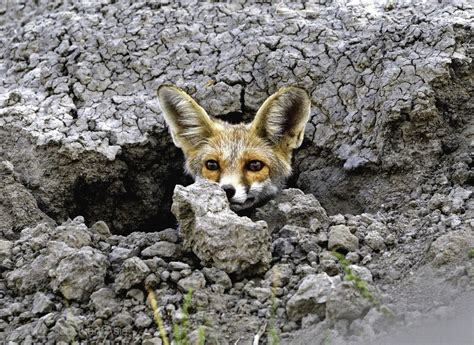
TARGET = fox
(250,161)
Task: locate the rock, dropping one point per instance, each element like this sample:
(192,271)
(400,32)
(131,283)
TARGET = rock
(133,272)
(375,241)
(329,266)
(342,240)
(152,281)
(311,296)
(361,272)
(217,235)
(337,219)
(262,294)
(80,273)
(142,320)
(5,250)
(101,228)
(122,319)
(74,233)
(292,207)
(216,276)
(65,329)
(169,235)
(279,275)
(18,207)
(282,247)
(195,281)
(136,294)
(152,341)
(118,255)
(451,247)
(42,304)
(34,276)
(346,302)
(104,302)
(178,266)
(162,249)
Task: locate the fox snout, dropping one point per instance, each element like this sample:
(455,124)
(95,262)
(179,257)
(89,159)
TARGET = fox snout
(250,161)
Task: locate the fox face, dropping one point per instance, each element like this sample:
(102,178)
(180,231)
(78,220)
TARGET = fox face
(250,161)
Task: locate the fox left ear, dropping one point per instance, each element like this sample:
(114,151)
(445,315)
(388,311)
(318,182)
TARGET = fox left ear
(189,123)
(282,117)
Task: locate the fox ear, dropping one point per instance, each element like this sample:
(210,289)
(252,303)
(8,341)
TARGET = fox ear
(282,117)
(188,122)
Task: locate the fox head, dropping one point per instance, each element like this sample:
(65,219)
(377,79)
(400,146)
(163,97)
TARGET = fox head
(250,161)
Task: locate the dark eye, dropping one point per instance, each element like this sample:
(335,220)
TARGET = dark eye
(212,165)
(255,165)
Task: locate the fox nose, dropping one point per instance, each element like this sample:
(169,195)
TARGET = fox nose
(229,190)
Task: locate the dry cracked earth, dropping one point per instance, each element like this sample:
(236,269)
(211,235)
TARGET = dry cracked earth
(90,220)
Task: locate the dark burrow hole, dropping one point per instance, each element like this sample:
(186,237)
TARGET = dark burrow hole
(135,192)
(138,196)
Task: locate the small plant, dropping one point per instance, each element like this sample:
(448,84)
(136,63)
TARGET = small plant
(470,253)
(201,335)
(361,285)
(180,330)
(272,331)
(157,317)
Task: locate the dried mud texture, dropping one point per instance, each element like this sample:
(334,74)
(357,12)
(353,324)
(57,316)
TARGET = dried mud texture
(387,155)
(391,91)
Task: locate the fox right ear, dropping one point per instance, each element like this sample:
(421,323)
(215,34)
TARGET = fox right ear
(282,118)
(189,123)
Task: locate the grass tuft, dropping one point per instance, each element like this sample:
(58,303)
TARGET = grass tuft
(157,317)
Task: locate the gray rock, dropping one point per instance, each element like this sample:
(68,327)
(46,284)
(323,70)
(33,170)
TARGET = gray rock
(152,341)
(216,276)
(346,302)
(104,302)
(142,320)
(279,275)
(375,241)
(118,255)
(337,219)
(341,239)
(169,235)
(178,266)
(451,247)
(162,249)
(195,282)
(101,228)
(34,276)
(122,319)
(80,273)
(18,207)
(362,272)
(65,329)
(42,304)
(74,233)
(262,294)
(5,250)
(291,207)
(311,297)
(217,235)
(152,281)
(133,272)
(282,247)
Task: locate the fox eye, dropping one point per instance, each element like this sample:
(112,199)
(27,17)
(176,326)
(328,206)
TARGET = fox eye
(212,165)
(255,165)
